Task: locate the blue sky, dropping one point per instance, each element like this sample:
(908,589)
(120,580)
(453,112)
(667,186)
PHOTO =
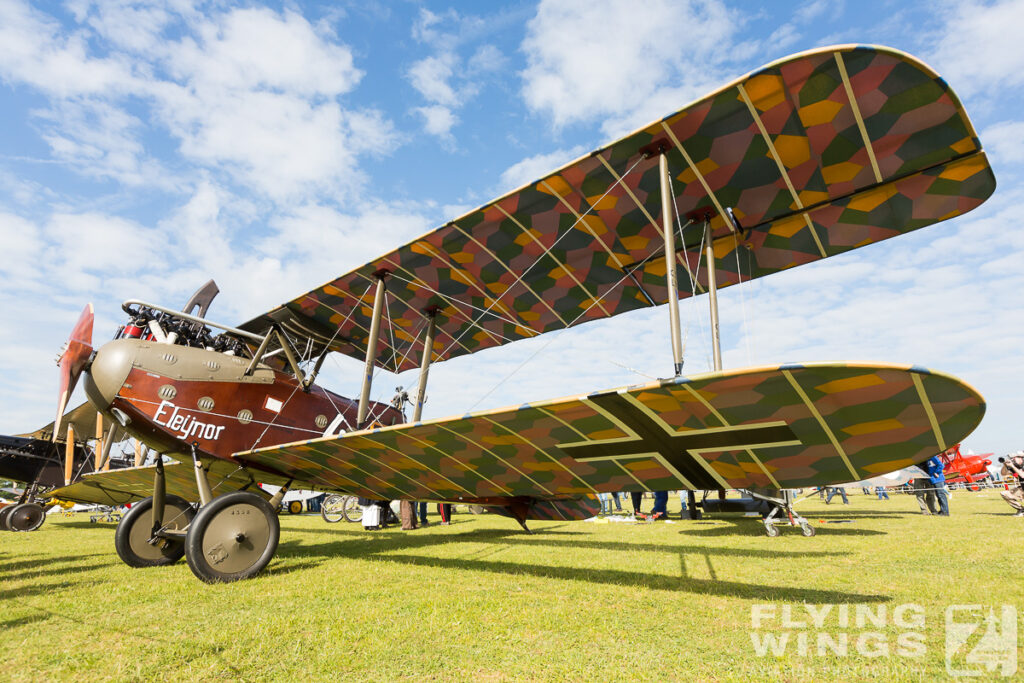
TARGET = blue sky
(146,147)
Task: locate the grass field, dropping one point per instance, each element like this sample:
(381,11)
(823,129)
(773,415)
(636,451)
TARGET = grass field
(481,600)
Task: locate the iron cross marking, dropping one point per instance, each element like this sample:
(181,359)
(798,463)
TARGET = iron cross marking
(676,448)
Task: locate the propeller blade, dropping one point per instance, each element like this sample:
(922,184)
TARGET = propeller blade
(72,360)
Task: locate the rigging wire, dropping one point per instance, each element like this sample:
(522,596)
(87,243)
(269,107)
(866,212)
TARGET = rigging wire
(743,303)
(547,343)
(547,251)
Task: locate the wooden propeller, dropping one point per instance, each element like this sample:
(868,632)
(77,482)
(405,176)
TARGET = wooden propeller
(72,360)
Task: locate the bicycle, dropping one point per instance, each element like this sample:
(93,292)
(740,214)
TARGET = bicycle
(337,507)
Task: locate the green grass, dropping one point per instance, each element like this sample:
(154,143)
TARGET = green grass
(482,600)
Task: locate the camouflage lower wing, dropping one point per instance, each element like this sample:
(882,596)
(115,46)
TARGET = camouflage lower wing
(787,426)
(120,487)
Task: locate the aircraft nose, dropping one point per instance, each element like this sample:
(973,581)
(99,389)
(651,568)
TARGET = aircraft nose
(108,372)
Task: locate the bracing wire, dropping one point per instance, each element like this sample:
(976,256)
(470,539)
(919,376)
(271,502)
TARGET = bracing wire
(743,303)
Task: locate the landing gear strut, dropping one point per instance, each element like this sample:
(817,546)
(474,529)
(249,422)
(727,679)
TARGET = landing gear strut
(230,537)
(146,537)
(782,505)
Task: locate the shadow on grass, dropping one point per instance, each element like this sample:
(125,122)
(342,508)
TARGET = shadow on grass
(21,621)
(89,525)
(128,631)
(652,581)
(58,571)
(739,529)
(7,567)
(895,514)
(385,546)
(41,589)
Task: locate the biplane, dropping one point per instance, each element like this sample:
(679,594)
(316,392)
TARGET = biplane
(807,158)
(966,469)
(54,456)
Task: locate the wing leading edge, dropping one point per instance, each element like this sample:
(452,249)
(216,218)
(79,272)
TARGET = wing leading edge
(815,154)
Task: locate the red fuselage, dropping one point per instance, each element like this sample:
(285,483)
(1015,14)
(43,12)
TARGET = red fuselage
(174,396)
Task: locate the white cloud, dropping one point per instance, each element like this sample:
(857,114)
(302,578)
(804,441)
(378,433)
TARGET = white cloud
(445,79)
(588,60)
(99,139)
(34,51)
(135,26)
(535,167)
(487,58)
(249,93)
(258,49)
(979,49)
(437,120)
(1005,142)
(430,77)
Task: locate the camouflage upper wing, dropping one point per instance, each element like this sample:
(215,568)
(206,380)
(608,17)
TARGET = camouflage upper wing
(816,154)
(778,427)
(118,487)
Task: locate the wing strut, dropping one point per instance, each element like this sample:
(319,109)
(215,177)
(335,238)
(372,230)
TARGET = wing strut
(716,342)
(668,231)
(371,348)
(428,351)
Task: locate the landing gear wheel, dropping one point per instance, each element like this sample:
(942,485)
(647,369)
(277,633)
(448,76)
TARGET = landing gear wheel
(332,509)
(26,517)
(807,529)
(4,514)
(352,510)
(232,537)
(771,530)
(295,507)
(136,528)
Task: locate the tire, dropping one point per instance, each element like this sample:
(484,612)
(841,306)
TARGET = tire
(26,517)
(131,540)
(4,514)
(771,530)
(232,537)
(295,507)
(807,530)
(333,508)
(352,510)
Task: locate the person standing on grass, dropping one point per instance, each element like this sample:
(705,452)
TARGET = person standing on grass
(407,510)
(925,495)
(833,491)
(638,502)
(423,514)
(1012,473)
(933,466)
(882,493)
(445,511)
(606,502)
(660,509)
